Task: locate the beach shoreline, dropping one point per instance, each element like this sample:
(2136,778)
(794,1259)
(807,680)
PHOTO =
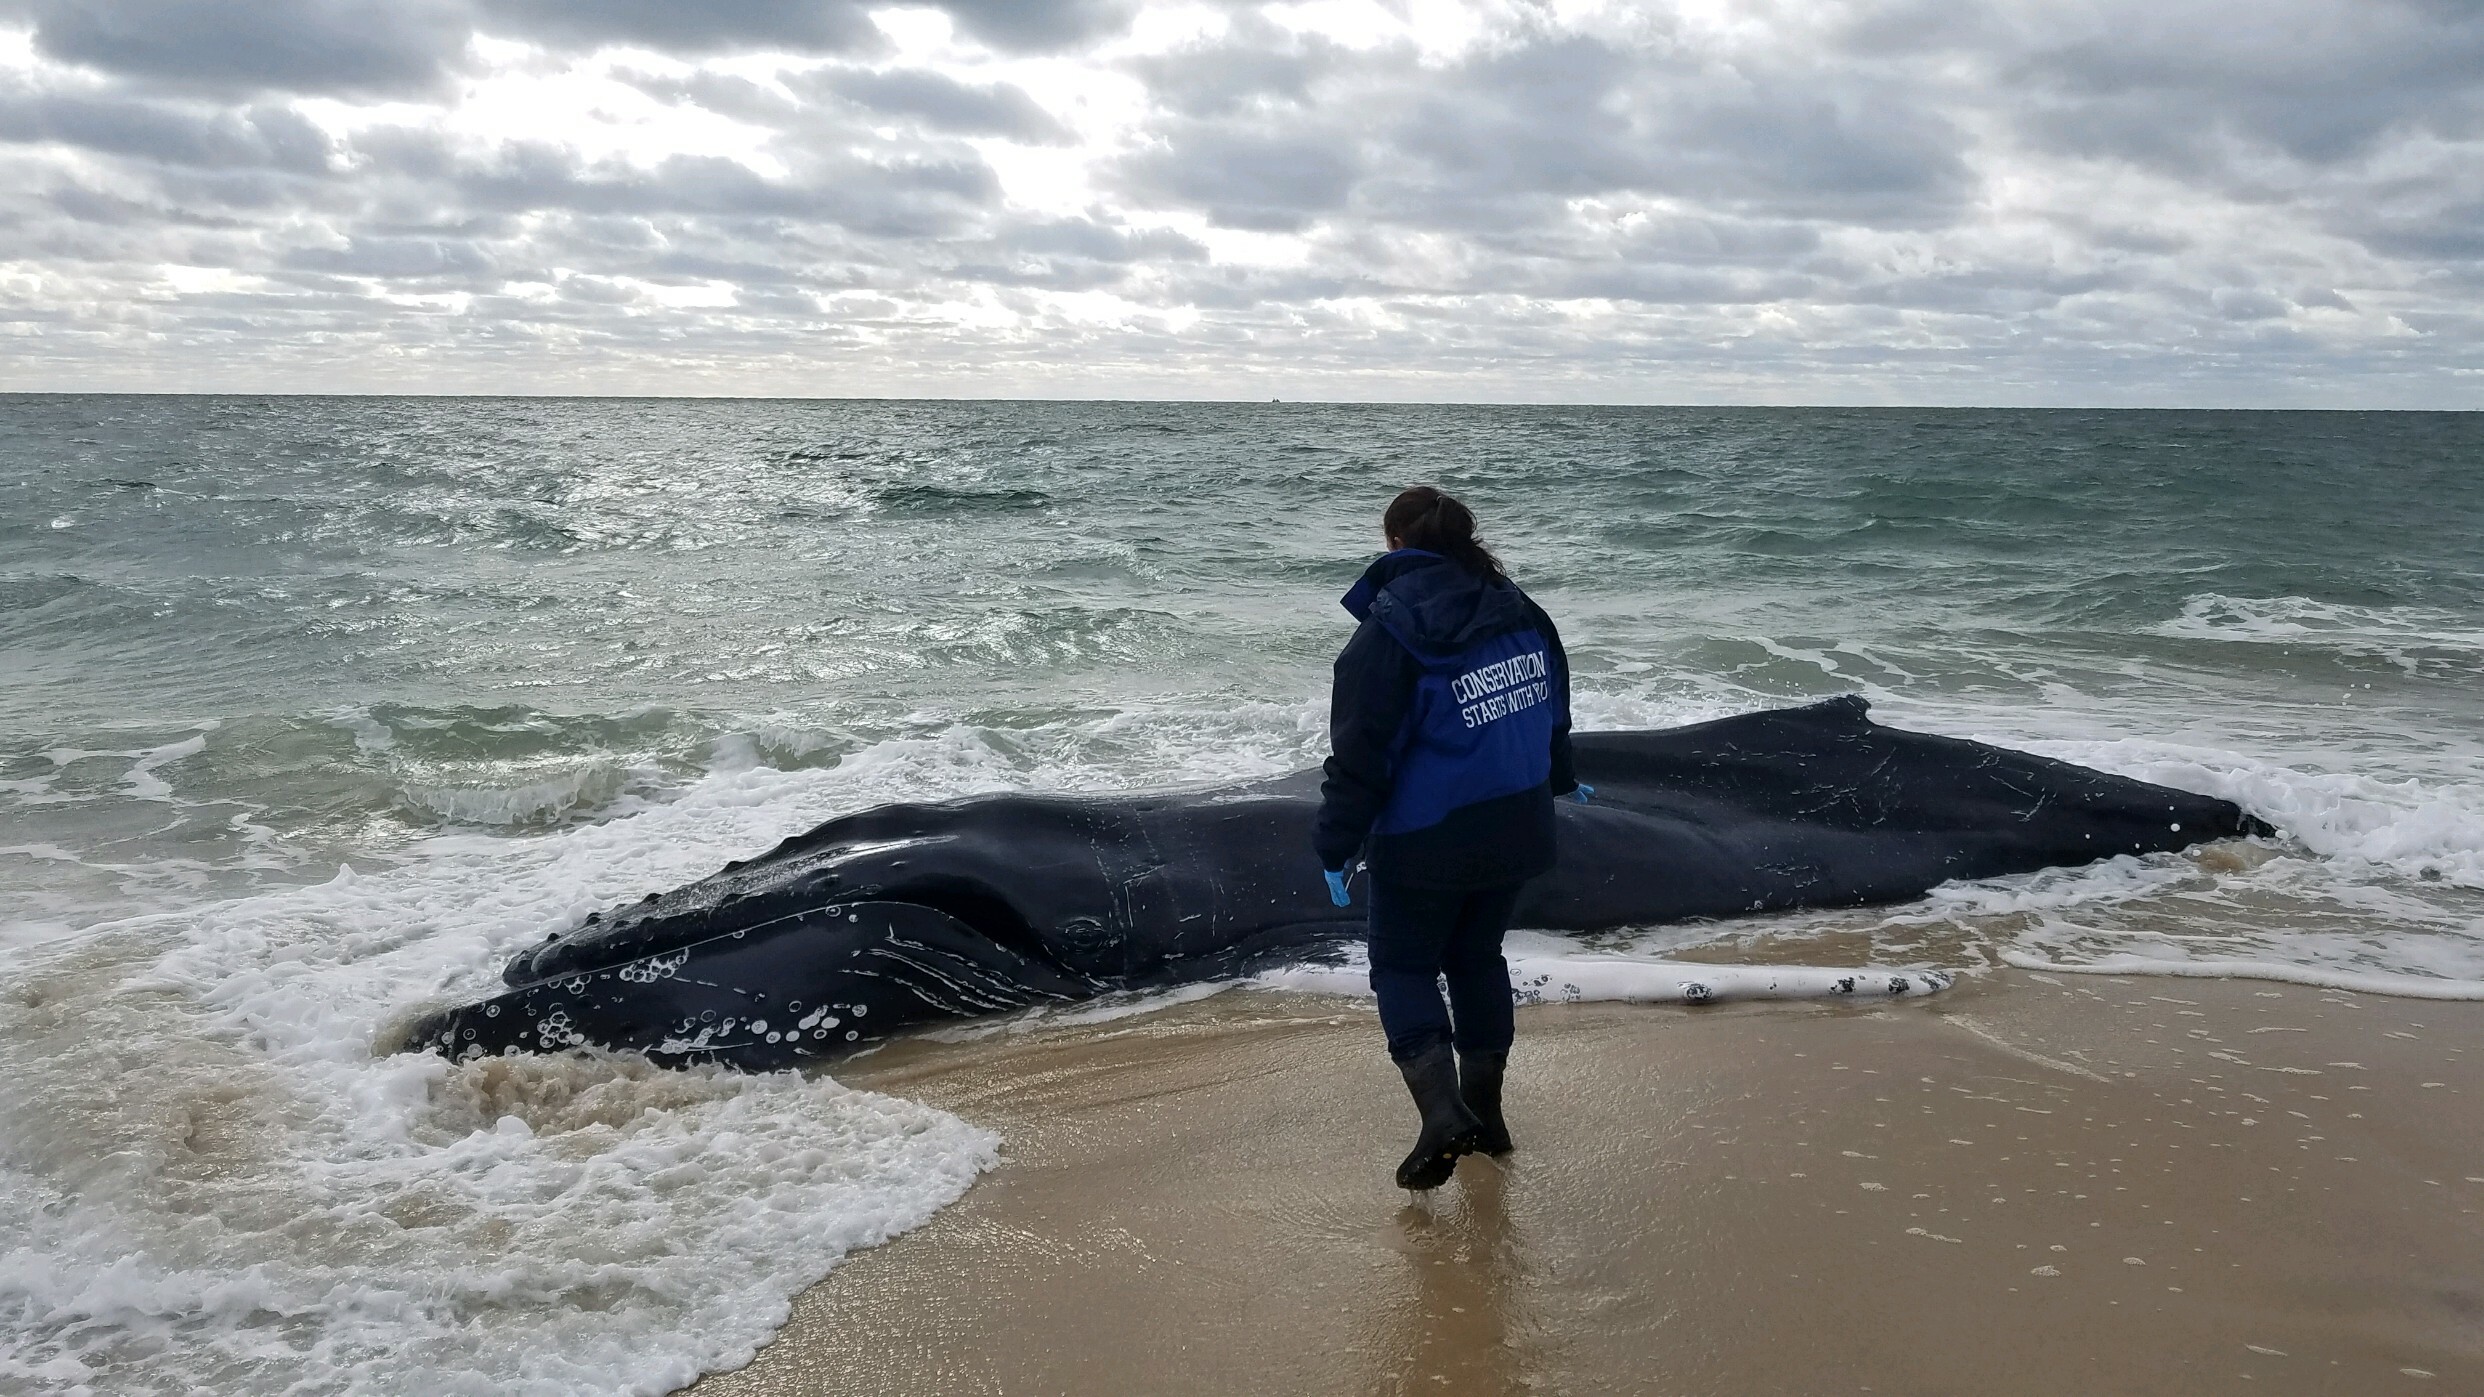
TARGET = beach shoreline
(2029,1184)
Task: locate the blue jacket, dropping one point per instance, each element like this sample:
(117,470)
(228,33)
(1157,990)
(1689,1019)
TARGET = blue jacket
(1450,729)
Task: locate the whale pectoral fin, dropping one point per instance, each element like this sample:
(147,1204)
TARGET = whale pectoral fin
(764,996)
(951,969)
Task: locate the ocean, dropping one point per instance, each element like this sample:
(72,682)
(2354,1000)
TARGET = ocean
(313,709)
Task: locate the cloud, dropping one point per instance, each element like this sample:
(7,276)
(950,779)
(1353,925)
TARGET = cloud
(899,198)
(399,47)
(946,104)
(261,136)
(1504,137)
(373,47)
(1270,181)
(2109,200)
(2319,84)
(1256,66)
(397,259)
(1034,25)
(689,27)
(2449,234)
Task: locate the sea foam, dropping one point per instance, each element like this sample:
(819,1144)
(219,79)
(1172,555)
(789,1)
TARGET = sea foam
(2407,636)
(215,1178)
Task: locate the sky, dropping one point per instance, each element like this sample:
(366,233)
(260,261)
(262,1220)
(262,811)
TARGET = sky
(2070,202)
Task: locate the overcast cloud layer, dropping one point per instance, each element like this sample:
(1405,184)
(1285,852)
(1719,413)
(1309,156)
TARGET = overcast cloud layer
(2071,201)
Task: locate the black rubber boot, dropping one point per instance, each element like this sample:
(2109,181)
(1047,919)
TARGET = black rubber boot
(1449,1129)
(1479,1086)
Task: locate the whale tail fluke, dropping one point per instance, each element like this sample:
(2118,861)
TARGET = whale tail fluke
(1479,1086)
(1450,1130)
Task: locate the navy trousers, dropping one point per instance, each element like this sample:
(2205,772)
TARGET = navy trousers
(1421,936)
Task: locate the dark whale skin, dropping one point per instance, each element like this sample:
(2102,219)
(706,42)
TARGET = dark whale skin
(907,914)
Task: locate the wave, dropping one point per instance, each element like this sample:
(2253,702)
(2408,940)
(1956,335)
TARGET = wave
(553,800)
(952,499)
(2422,831)
(2277,972)
(576,1224)
(2408,636)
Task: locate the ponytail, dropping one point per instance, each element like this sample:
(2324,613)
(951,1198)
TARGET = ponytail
(1435,521)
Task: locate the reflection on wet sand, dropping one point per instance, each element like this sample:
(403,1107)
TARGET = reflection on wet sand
(1451,1328)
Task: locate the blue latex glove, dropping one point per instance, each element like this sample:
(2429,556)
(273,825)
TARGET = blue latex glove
(1584,790)
(1337,887)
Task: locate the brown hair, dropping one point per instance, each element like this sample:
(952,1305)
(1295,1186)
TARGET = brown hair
(1433,520)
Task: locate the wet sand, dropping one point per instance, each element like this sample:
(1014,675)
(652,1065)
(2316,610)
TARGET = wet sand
(2030,1184)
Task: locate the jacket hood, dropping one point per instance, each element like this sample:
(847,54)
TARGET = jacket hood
(1435,608)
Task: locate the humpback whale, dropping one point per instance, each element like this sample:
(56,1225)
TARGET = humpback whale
(907,914)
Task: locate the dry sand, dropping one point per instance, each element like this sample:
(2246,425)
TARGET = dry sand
(2027,1185)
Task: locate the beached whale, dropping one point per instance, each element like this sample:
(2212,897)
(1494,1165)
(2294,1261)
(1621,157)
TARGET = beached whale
(893,917)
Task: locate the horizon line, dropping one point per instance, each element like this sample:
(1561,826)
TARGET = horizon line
(522,396)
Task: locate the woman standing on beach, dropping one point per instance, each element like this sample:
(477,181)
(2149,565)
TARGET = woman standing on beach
(1449,729)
